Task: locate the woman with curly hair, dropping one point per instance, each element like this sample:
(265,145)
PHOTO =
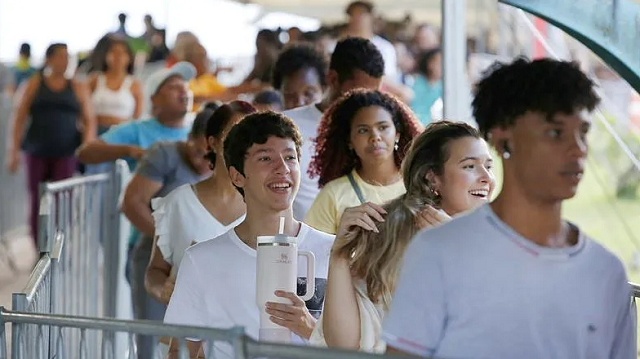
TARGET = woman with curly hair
(362,140)
(447,171)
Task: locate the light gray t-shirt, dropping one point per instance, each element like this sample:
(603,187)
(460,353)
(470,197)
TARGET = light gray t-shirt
(308,119)
(474,288)
(165,163)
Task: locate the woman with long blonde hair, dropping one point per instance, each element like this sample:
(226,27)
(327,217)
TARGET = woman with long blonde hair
(447,171)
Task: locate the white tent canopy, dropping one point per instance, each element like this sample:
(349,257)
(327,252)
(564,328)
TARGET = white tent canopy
(479,11)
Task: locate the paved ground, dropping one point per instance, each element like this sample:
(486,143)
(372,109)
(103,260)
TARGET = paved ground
(20,250)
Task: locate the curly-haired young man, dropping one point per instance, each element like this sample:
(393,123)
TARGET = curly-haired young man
(513,279)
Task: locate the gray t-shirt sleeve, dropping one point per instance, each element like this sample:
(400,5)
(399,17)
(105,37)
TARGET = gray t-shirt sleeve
(625,338)
(416,318)
(159,161)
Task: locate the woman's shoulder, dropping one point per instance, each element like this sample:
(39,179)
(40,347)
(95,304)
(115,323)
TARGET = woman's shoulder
(179,195)
(337,184)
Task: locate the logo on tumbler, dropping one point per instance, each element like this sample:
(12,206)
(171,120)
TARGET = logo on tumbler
(284,259)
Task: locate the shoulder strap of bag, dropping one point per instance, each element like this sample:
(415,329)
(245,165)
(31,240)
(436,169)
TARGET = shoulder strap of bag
(356,188)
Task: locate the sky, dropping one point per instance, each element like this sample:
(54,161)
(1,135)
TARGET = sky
(226,28)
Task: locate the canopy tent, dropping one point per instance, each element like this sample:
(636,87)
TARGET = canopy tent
(480,12)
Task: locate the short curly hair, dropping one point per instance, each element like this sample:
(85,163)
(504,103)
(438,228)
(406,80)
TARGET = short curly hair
(356,53)
(333,158)
(508,91)
(256,129)
(297,57)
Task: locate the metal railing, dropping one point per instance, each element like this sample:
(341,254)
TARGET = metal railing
(243,346)
(77,273)
(79,228)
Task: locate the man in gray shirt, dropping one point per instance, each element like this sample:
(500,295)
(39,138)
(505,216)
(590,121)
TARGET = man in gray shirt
(166,166)
(512,279)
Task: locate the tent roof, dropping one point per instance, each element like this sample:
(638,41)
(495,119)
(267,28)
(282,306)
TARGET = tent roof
(332,11)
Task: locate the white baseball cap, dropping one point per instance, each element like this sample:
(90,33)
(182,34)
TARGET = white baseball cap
(157,79)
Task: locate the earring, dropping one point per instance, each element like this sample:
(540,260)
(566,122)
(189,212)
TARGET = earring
(395,147)
(506,155)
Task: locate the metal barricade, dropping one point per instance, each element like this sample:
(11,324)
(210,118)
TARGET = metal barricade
(77,274)
(34,344)
(79,227)
(243,346)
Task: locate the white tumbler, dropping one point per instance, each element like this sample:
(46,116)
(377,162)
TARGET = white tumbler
(278,270)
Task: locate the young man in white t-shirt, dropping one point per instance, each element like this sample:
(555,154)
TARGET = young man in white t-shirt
(216,282)
(512,279)
(355,63)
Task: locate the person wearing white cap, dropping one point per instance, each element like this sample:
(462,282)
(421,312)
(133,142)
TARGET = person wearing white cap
(129,141)
(169,101)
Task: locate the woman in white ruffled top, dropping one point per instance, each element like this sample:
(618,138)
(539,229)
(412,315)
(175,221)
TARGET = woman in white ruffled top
(446,172)
(195,213)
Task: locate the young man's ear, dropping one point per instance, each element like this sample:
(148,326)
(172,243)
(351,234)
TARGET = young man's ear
(500,138)
(237,178)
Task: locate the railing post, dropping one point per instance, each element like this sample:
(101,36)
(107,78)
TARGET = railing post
(44,212)
(111,240)
(3,336)
(18,304)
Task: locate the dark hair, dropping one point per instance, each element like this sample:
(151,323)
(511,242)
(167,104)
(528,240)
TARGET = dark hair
(333,158)
(211,105)
(270,37)
(425,58)
(298,57)
(112,41)
(356,53)
(367,6)
(268,97)
(219,121)
(25,50)
(508,91)
(256,129)
(51,50)
(199,126)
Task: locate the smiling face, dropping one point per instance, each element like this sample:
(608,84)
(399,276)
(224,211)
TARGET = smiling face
(373,135)
(271,174)
(467,180)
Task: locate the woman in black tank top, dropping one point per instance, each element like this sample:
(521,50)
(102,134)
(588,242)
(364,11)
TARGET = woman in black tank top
(55,106)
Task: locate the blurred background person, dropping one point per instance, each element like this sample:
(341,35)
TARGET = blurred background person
(268,100)
(116,95)
(23,69)
(300,75)
(56,107)
(427,84)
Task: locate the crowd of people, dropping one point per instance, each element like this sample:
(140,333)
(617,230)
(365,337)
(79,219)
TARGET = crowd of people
(412,252)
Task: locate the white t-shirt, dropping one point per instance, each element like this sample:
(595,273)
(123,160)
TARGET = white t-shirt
(388,52)
(216,284)
(181,219)
(474,288)
(308,119)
